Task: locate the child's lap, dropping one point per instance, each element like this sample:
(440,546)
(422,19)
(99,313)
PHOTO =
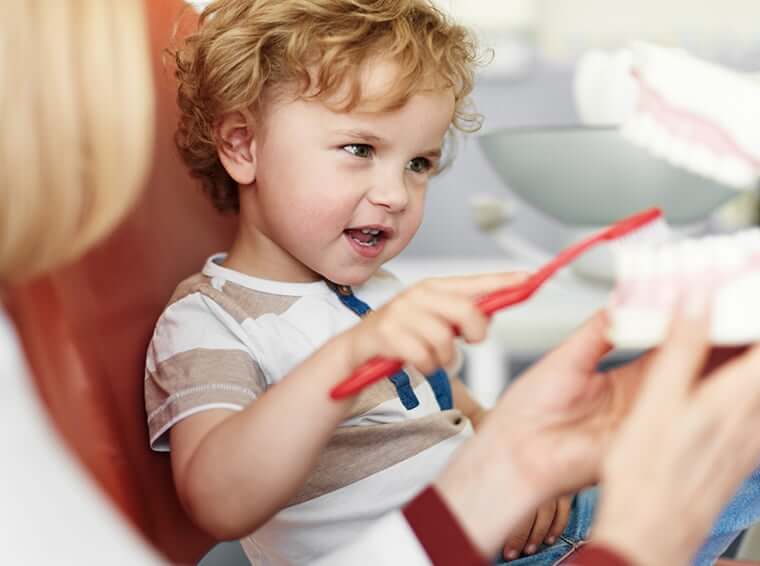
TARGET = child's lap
(742,511)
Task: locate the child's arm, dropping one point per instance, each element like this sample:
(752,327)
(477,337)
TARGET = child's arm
(233,471)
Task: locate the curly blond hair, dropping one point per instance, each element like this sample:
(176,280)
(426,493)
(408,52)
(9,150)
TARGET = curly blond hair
(243,48)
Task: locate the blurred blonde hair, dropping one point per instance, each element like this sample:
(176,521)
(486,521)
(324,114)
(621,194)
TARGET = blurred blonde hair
(242,48)
(76,115)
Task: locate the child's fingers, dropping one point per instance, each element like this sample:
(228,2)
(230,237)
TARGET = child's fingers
(517,538)
(561,518)
(541,526)
(473,286)
(415,351)
(438,334)
(458,311)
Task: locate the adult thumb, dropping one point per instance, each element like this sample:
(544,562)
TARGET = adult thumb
(583,349)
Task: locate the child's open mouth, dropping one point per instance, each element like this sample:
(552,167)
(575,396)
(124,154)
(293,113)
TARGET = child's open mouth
(367,242)
(365,236)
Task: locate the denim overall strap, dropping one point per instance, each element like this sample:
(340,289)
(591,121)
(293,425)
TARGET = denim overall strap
(439,381)
(441,385)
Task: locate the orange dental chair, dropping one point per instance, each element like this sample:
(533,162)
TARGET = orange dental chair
(85,328)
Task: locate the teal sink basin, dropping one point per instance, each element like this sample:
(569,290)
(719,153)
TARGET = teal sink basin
(590,176)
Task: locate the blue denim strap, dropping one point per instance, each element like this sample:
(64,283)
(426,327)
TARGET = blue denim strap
(439,381)
(441,385)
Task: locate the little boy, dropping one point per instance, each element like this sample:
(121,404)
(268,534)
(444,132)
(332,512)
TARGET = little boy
(321,123)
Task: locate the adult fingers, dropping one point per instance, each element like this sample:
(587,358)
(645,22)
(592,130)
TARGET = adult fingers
(735,383)
(585,347)
(679,361)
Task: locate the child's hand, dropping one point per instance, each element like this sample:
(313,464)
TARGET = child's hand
(543,528)
(419,326)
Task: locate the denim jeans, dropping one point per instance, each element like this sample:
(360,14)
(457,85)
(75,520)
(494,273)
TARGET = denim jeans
(740,513)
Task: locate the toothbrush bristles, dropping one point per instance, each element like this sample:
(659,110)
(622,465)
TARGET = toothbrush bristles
(653,233)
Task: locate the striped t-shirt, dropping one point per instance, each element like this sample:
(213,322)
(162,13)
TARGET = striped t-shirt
(226,337)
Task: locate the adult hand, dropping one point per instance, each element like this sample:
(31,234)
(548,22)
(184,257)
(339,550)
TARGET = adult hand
(683,450)
(544,438)
(558,417)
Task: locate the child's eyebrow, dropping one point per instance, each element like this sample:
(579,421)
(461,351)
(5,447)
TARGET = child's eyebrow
(433,153)
(364,135)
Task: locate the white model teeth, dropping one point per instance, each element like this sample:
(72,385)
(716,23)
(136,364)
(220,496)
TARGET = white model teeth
(650,281)
(644,131)
(695,114)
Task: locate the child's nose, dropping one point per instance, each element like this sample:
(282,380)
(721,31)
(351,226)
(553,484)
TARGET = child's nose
(390,192)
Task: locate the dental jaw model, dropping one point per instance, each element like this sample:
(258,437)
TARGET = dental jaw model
(706,119)
(651,280)
(697,115)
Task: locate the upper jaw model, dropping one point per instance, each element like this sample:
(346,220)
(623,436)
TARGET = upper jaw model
(695,114)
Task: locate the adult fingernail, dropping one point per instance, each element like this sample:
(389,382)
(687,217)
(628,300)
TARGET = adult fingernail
(531,549)
(512,554)
(550,540)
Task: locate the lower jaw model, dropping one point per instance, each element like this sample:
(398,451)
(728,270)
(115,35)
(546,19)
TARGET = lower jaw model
(697,115)
(651,280)
(705,118)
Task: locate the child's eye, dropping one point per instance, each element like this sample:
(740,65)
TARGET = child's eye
(420,165)
(359,150)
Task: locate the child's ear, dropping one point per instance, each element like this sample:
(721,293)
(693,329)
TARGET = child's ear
(237,147)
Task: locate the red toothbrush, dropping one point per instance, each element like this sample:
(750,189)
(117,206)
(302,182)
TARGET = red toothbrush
(656,231)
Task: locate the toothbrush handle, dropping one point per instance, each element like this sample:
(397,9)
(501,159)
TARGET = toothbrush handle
(368,373)
(379,368)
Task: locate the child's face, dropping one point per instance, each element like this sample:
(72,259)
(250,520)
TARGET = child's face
(337,194)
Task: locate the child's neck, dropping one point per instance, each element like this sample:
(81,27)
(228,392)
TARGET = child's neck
(258,256)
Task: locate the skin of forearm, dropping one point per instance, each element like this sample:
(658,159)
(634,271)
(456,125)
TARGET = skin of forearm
(477,476)
(248,466)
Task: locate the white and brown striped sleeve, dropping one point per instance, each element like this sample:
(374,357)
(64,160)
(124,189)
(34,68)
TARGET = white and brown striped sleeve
(196,362)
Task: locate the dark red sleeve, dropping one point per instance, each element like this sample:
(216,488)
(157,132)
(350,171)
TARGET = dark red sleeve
(439,532)
(595,555)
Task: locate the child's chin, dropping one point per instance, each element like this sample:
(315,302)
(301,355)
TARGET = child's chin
(354,278)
